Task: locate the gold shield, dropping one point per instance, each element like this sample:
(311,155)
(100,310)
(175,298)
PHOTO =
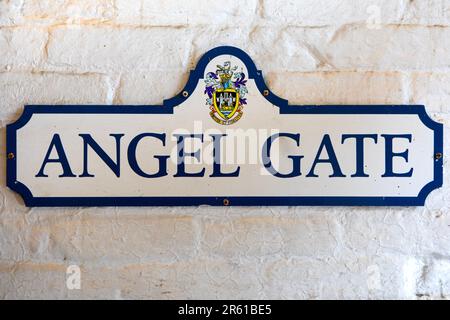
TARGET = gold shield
(226,102)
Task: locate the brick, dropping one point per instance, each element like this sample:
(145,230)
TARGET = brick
(75,238)
(339,87)
(313,13)
(428,12)
(325,12)
(265,236)
(19,89)
(151,280)
(100,49)
(21,48)
(430,89)
(389,48)
(201,278)
(390,276)
(195,12)
(270,48)
(10,13)
(346,48)
(32,281)
(66,11)
(434,282)
(372,230)
(150,87)
(375,277)
(198,279)
(128,12)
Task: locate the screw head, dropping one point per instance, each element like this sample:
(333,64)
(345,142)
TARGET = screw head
(11,156)
(185,94)
(438,156)
(226,202)
(266,93)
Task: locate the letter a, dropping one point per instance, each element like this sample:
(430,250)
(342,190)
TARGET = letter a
(62,158)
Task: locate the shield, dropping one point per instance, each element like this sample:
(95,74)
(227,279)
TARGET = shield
(226,102)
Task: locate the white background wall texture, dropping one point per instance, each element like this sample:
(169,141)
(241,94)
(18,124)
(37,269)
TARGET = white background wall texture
(311,51)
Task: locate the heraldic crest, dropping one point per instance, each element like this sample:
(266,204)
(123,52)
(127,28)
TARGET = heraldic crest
(226,90)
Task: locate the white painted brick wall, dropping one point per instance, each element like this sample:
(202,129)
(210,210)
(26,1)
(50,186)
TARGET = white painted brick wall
(139,51)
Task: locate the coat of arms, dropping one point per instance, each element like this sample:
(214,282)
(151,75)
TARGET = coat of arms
(226,90)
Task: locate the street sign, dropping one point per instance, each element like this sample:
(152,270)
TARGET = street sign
(225,139)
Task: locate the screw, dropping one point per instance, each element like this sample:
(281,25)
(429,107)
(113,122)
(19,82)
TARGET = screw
(226,202)
(266,92)
(10,155)
(185,94)
(438,155)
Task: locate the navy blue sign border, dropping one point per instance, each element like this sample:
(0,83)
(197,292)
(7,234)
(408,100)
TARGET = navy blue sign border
(167,108)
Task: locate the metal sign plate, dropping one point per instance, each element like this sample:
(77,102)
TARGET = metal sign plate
(224,140)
